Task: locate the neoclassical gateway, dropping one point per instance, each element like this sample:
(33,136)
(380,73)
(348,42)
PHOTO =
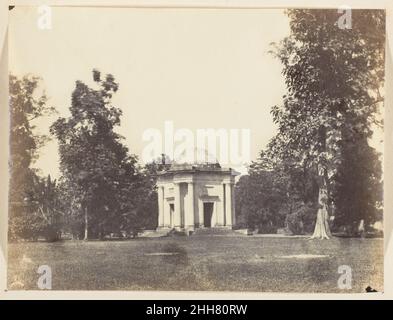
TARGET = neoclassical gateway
(194,196)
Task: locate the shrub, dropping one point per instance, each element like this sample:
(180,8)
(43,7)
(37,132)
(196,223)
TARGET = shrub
(302,219)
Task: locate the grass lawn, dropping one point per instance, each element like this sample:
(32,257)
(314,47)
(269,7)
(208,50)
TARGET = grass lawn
(236,263)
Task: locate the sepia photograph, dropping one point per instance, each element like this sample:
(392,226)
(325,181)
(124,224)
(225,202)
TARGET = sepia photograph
(196,149)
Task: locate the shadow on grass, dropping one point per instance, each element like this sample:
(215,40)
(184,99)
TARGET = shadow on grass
(179,254)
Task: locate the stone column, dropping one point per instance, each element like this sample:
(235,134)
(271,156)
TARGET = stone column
(224,204)
(189,210)
(177,217)
(233,211)
(221,208)
(200,213)
(228,204)
(161,206)
(167,214)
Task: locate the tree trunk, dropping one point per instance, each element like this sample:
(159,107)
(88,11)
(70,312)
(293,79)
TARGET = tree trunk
(322,229)
(86,237)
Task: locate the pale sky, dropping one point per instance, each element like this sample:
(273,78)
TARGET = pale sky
(200,68)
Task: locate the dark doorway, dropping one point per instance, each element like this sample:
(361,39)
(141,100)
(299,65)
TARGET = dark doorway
(171,212)
(207,214)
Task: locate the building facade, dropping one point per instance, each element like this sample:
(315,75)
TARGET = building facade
(196,196)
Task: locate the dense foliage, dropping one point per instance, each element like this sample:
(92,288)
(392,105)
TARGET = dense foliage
(333,78)
(108,191)
(31,197)
(101,192)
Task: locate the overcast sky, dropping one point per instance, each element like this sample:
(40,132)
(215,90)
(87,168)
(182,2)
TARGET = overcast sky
(201,68)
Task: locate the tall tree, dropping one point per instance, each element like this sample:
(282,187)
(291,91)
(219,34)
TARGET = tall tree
(27,103)
(357,192)
(97,170)
(333,77)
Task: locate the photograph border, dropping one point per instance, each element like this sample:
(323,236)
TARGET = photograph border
(196,295)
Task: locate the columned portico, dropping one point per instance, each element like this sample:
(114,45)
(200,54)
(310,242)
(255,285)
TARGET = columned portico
(196,196)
